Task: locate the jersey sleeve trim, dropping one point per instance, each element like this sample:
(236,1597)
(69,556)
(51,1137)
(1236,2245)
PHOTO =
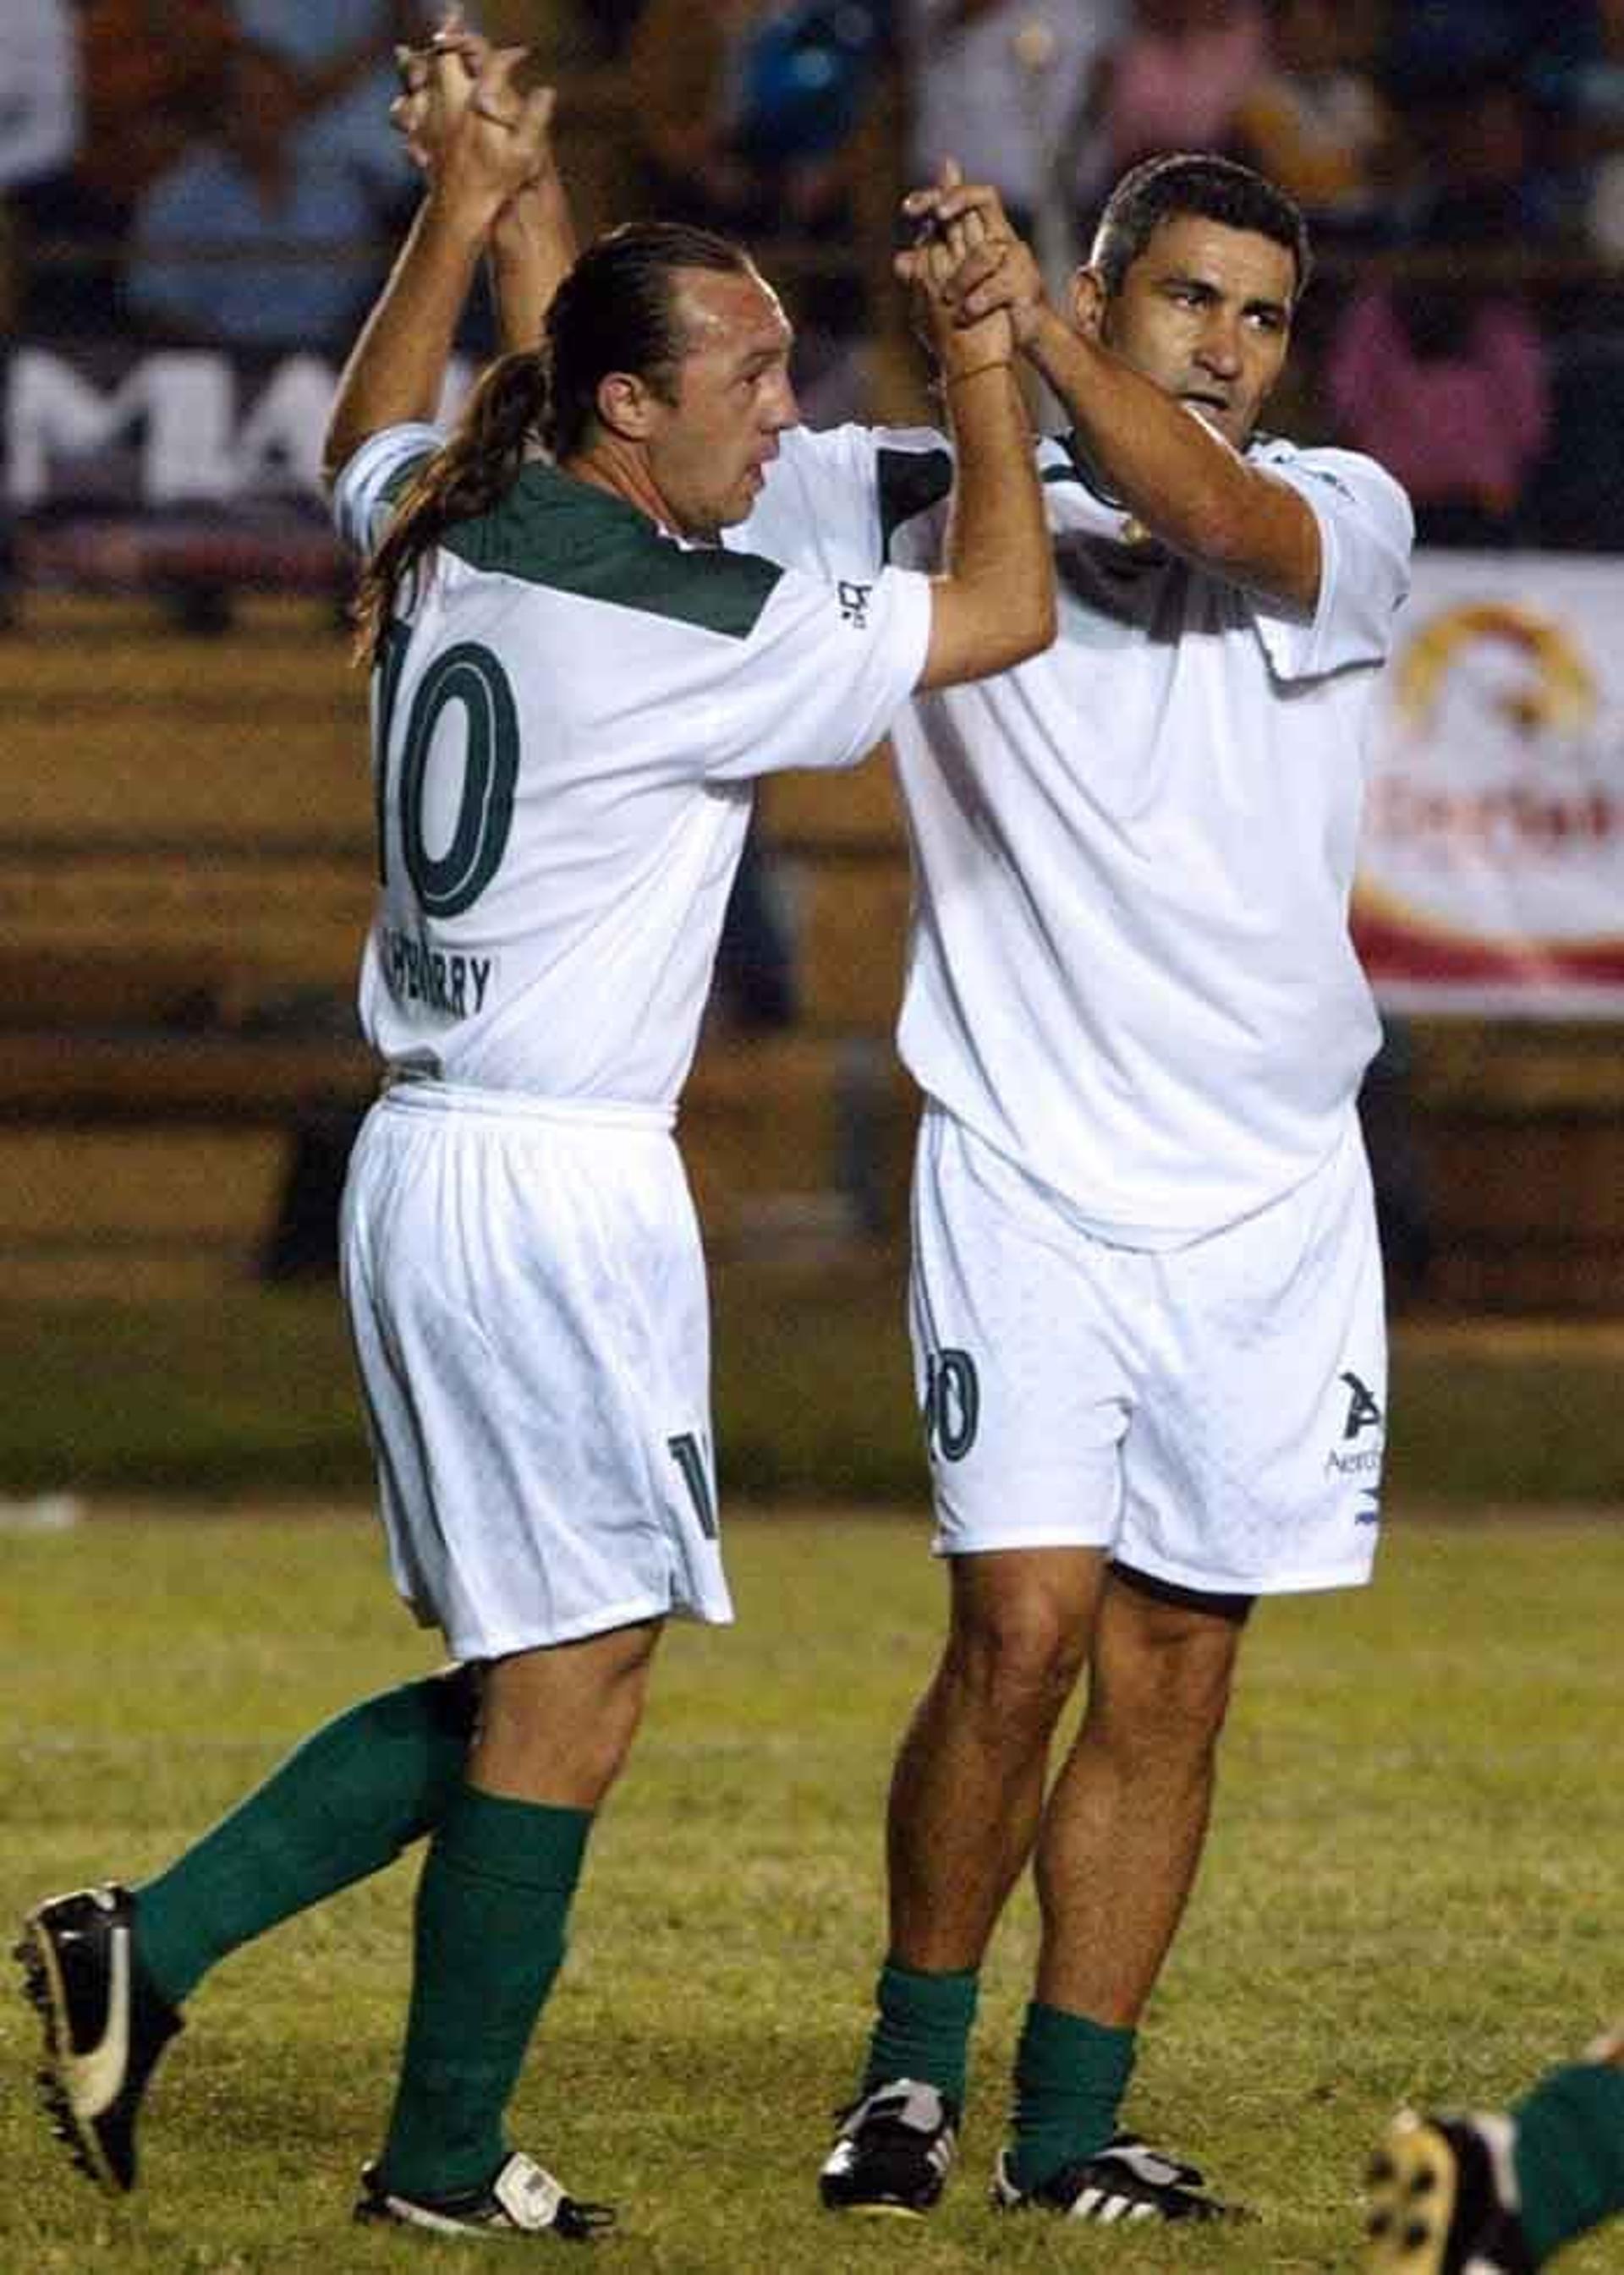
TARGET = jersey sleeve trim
(370,486)
(910,482)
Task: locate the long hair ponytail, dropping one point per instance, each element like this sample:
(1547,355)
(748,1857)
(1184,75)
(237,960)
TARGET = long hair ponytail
(615,311)
(472,472)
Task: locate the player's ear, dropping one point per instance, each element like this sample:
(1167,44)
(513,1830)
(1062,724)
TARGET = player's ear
(625,405)
(1088,301)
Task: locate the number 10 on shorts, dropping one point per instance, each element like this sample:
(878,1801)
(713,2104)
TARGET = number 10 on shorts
(952,1402)
(685,1453)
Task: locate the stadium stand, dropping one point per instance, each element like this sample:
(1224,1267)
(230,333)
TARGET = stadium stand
(184,876)
(185,882)
(186,866)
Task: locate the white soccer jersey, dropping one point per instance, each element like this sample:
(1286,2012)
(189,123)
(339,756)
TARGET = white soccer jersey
(566,724)
(1130,970)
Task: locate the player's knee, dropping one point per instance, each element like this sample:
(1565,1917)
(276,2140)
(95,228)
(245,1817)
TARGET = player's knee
(1170,1693)
(1020,1662)
(567,1768)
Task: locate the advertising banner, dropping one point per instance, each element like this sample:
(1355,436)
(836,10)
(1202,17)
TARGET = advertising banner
(124,466)
(1491,866)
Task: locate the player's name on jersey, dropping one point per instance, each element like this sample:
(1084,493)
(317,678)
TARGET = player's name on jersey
(417,973)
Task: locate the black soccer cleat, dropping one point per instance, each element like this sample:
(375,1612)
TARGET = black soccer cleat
(1443,2198)
(520,2199)
(893,2152)
(1126,2180)
(105,2026)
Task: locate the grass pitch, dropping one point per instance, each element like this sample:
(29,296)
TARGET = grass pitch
(1412,1890)
(249,1393)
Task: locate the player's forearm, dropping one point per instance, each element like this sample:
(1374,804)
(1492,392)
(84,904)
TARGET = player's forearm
(397,366)
(1184,482)
(533,246)
(995,604)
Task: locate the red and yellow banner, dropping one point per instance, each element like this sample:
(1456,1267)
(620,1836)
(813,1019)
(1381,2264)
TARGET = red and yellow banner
(1491,864)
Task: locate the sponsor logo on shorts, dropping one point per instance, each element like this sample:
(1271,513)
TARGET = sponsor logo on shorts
(1363,1413)
(1349,1458)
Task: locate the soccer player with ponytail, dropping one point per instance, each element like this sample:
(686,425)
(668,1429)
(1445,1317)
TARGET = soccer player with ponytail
(574,688)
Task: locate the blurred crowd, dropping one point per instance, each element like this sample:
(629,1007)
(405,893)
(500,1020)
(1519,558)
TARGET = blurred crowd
(223,171)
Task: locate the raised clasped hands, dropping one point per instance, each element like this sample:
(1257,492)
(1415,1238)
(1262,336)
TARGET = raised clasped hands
(481,141)
(994,273)
(930,267)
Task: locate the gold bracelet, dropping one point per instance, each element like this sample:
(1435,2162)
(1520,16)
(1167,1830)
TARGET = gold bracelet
(952,378)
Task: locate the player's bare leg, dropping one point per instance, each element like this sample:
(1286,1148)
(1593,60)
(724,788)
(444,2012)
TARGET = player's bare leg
(1123,1830)
(966,1797)
(967,1791)
(1116,1854)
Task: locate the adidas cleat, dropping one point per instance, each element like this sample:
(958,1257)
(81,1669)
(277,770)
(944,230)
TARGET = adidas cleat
(894,2152)
(1127,2181)
(104,2025)
(519,2200)
(1443,2198)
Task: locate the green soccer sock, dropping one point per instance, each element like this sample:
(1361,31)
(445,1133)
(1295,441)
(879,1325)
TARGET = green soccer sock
(342,1805)
(490,1936)
(922,2030)
(1071,2075)
(1570,2153)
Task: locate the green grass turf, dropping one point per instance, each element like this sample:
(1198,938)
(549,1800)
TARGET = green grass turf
(1412,1889)
(251,1391)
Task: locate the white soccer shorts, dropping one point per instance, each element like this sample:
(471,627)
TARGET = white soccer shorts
(1212,1414)
(527,1298)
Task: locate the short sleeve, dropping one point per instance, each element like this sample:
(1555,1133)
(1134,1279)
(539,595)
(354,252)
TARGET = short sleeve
(1367,534)
(822,675)
(819,506)
(365,494)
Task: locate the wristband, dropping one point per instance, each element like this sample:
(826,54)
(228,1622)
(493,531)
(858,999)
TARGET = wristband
(998,363)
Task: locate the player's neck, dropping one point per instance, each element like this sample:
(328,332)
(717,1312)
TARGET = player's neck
(610,463)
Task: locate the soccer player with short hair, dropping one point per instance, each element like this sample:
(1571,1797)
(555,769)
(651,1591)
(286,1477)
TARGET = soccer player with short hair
(574,688)
(1145,1290)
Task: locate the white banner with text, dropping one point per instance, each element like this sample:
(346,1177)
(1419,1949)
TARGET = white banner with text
(1492,866)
